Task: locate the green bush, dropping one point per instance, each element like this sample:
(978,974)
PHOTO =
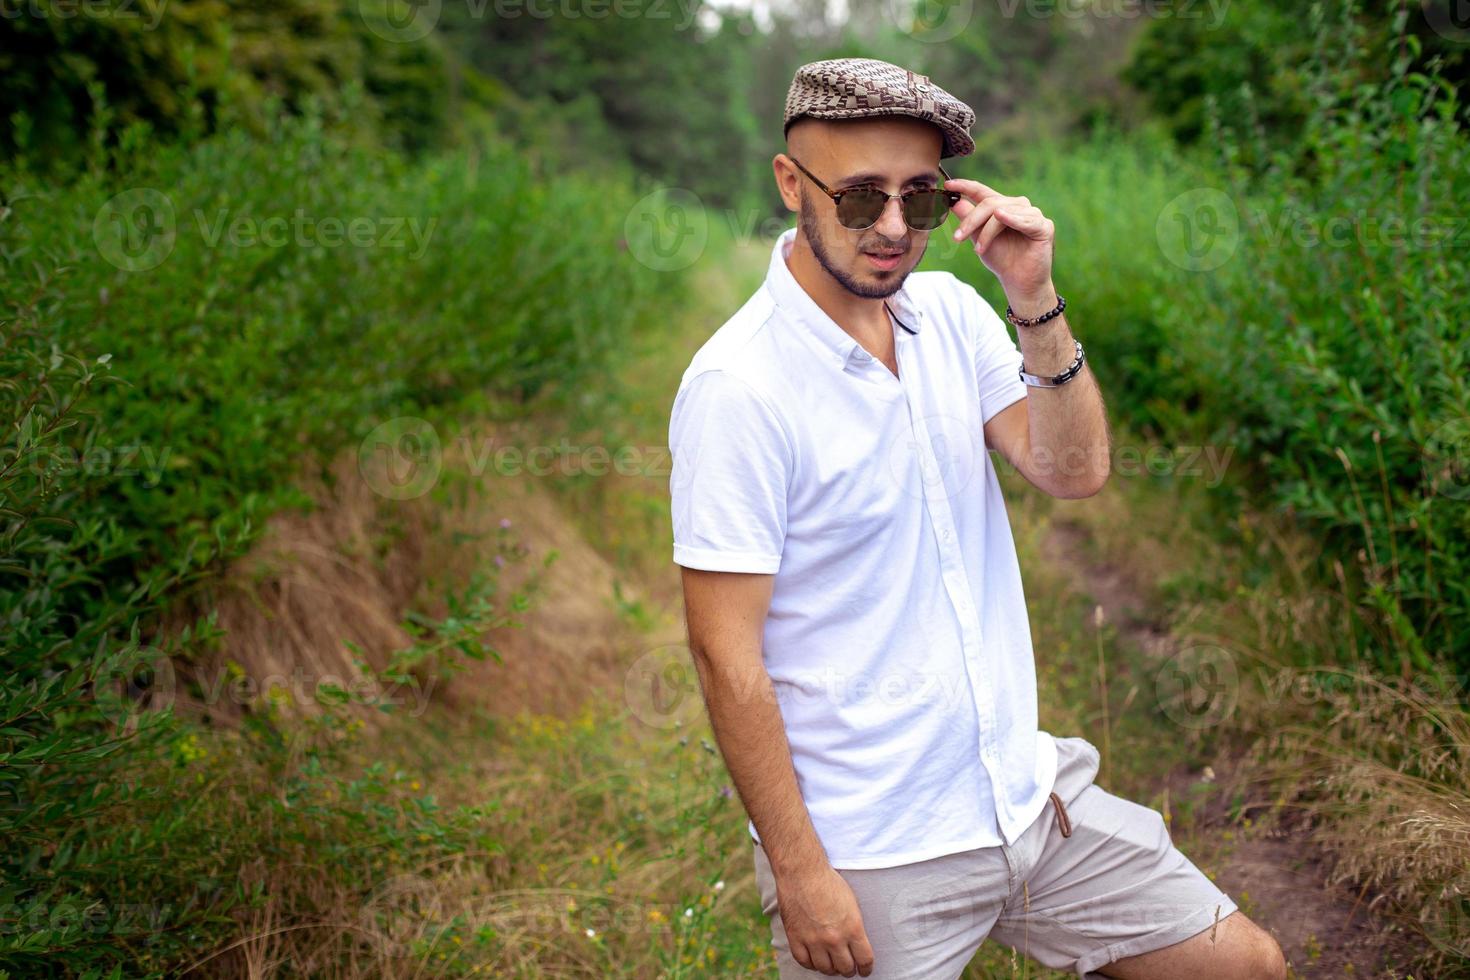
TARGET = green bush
(1255,60)
(187,68)
(1314,323)
(1339,330)
(69,708)
(304,291)
(266,304)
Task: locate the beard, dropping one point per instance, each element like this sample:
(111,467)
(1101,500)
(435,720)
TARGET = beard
(879,289)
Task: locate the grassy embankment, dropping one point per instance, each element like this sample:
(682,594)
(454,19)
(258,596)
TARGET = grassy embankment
(1241,624)
(464,838)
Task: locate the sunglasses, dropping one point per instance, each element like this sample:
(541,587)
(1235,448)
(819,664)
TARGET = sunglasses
(861,207)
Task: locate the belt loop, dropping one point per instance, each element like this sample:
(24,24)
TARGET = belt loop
(1064,824)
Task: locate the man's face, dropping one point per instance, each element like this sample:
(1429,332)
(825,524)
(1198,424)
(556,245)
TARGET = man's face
(895,154)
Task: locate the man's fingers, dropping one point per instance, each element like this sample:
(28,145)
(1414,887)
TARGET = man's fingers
(975,217)
(812,957)
(862,955)
(987,234)
(972,189)
(970,221)
(1028,221)
(962,207)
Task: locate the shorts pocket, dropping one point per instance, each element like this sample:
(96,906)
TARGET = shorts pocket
(1077,766)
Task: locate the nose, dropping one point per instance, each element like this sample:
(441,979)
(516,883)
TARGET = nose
(890,223)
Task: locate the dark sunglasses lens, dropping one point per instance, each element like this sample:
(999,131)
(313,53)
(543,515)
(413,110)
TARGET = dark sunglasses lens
(860,208)
(926,210)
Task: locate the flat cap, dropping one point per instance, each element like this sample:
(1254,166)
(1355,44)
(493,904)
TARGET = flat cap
(859,88)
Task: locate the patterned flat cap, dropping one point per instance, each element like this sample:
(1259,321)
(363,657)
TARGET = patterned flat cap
(857,88)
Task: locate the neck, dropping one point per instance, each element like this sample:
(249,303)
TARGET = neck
(865,319)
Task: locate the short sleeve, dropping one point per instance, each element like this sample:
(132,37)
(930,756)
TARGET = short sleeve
(997,358)
(732,464)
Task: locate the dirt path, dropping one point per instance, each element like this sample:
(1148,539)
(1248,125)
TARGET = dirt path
(1277,874)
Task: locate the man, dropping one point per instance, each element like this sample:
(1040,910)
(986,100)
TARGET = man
(852,590)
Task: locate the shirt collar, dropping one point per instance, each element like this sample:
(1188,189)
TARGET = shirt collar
(797,303)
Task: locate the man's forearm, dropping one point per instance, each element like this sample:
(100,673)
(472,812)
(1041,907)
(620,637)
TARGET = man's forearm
(1069,440)
(752,738)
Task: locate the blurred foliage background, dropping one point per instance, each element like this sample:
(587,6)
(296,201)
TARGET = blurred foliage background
(1338,371)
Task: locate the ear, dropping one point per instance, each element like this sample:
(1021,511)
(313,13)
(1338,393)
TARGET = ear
(788,181)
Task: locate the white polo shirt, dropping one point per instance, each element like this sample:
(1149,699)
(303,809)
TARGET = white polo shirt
(897,639)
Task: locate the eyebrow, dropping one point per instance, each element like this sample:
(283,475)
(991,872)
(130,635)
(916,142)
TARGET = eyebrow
(874,178)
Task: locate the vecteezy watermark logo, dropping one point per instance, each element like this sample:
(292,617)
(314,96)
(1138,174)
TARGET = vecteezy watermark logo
(132,683)
(401,459)
(138,229)
(931,21)
(399,910)
(662,687)
(1359,230)
(1447,459)
(400,21)
(229,684)
(1450,19)
(939,457)
(127,461)
(95,9)
(1198,686)
(936,904)
(1199,230)
(1211,12)
(135,230)
(303,230)
(667,229)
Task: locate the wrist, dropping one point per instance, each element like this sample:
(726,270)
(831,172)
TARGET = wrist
(1028,324)
(1032,301)
(797,858)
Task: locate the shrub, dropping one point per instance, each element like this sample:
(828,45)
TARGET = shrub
(1320,335)
(266,304)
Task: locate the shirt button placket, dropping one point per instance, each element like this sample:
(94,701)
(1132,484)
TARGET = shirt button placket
(956,584)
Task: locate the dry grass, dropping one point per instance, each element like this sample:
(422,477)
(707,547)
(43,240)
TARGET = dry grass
(349,570)
(561,826)
(1375,770)
(1381,772)
(583,826)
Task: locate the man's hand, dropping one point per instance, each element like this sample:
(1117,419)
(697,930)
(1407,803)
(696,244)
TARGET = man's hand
(1014,240)
(726,613)
(823,923)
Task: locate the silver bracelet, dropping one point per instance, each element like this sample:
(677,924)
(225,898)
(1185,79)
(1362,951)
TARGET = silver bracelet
(1056,380)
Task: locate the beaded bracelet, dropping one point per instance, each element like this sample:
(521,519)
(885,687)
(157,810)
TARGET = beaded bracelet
(1034,320)
(1056,381)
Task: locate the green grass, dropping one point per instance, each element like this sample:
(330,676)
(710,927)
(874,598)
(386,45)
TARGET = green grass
(1303,313)
(1335,374)
(190,333)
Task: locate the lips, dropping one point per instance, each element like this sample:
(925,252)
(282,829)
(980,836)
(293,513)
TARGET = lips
(885,261)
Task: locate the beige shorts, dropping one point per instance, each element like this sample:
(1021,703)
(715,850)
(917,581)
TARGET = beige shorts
(1114,886)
